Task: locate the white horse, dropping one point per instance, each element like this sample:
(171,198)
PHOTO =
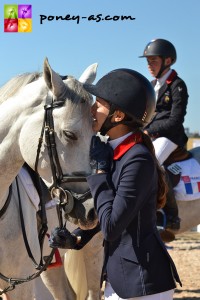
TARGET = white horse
(22,102)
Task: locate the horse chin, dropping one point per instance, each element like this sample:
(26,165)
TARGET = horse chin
(82,223)
(87,225)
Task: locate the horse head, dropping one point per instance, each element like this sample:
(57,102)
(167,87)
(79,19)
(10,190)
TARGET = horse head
(63,155)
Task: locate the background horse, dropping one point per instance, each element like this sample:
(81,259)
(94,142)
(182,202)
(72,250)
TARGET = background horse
(189,211)
(22,116)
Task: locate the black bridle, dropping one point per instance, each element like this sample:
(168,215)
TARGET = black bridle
(65,197)
(6,204)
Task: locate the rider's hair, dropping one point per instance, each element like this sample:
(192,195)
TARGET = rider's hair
(162,184)
(137,125)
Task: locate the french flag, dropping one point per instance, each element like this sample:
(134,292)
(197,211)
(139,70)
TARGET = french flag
(190,187)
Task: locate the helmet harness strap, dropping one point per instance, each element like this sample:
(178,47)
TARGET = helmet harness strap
(107,125)
(162,68)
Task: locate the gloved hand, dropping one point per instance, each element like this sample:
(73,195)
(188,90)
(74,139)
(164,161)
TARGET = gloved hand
(62,238)
(101,155)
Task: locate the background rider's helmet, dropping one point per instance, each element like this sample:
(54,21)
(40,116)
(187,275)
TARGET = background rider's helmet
(129,91)
(162,48)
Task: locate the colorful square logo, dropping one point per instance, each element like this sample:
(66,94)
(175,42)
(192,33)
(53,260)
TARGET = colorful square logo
(17,18)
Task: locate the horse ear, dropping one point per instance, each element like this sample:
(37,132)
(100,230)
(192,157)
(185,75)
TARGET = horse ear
(53,80)
(89,74)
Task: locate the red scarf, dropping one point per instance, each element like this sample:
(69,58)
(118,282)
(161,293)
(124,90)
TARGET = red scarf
(129,142)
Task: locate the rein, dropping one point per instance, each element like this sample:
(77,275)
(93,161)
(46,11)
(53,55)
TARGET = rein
(6,204)
(41,266)
(16,281)
(37,266)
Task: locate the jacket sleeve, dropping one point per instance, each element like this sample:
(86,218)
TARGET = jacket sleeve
(86,236)
(117,209)
(166,122)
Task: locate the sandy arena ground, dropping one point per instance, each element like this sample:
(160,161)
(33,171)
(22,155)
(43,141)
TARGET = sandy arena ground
(185,251)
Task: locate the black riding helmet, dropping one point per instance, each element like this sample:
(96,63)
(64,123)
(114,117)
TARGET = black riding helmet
(127,90)
(162,48)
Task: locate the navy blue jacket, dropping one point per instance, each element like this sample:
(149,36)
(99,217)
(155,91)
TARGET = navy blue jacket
(136,260)
(170,111)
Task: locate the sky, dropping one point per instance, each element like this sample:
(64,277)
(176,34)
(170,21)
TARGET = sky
(72,45)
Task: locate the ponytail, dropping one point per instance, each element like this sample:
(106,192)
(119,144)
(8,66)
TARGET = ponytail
(135,125)
(162,185)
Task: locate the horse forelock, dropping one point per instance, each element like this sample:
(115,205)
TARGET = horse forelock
(14,85)
(75,92)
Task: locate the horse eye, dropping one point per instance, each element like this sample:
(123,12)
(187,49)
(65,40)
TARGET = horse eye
(70,135)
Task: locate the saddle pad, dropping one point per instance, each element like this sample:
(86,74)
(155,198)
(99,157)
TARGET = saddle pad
(29,187)
(188,187)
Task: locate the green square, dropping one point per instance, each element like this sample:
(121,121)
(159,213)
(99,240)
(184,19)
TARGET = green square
(10,11)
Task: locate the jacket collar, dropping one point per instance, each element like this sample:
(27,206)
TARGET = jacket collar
(168,81)
(126,144)
(162,80)
(171,77)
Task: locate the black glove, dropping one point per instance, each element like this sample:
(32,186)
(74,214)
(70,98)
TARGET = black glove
(62,238)
(101,155)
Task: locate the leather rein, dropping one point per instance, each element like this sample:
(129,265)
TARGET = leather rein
(65,198)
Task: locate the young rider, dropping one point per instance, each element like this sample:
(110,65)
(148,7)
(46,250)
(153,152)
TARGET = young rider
(127,186)
(166,127)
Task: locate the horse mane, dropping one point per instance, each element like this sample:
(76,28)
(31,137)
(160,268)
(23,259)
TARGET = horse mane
(12,86)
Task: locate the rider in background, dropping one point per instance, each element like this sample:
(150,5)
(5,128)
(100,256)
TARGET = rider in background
(166,127)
